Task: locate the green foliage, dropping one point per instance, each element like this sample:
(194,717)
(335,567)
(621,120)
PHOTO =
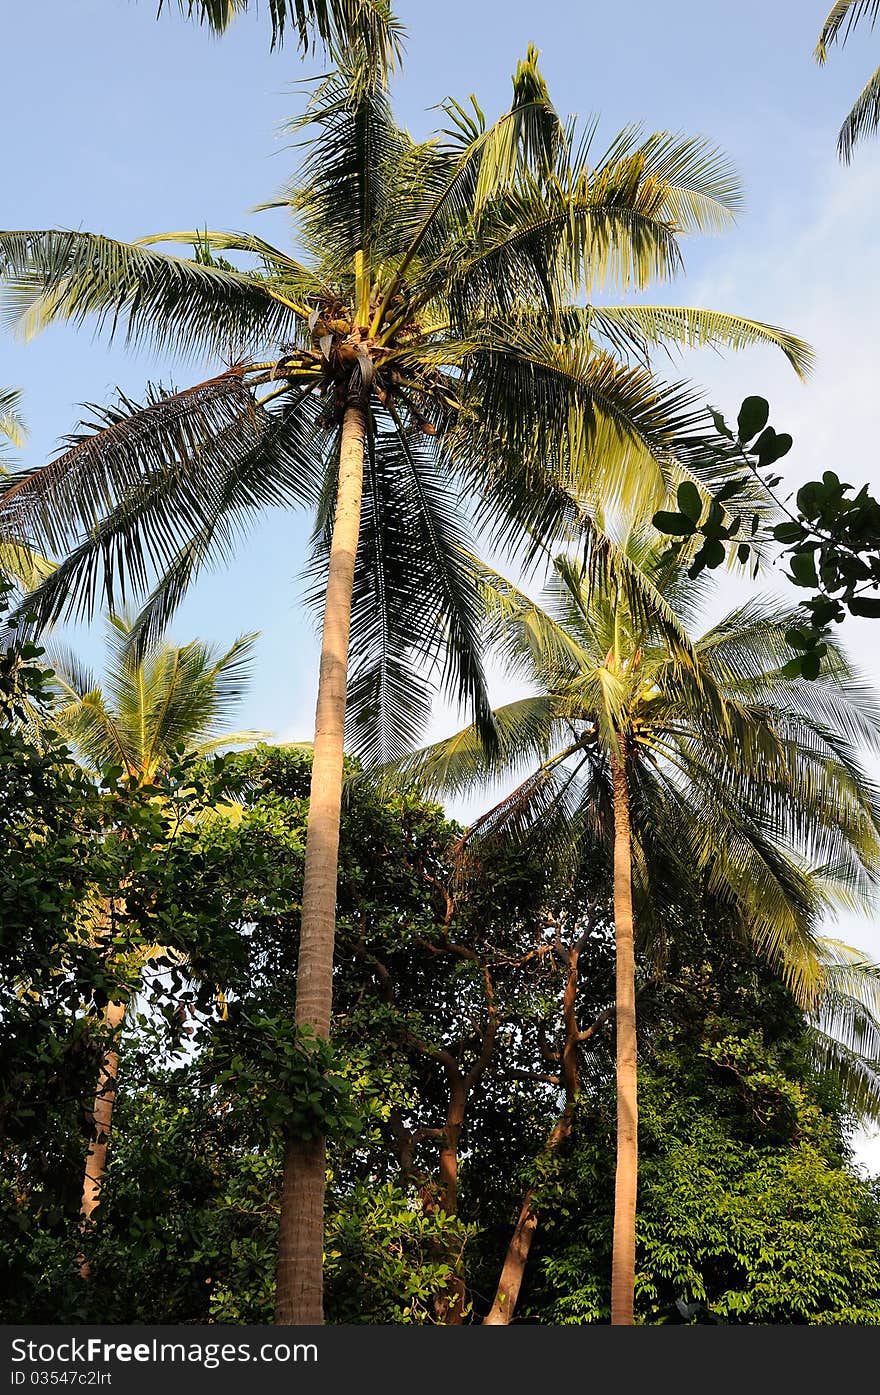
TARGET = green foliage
(291,1077)
(832,542)
(748,1213)
(747,1207)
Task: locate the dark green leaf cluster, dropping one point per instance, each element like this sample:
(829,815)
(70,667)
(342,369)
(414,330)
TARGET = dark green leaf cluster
(832,542)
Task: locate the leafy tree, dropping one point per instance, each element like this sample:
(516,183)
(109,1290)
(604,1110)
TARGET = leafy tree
(698,755)
(194,1182)
(843,17)
(748,1212)
(831,537)
(433,346)
(71,844)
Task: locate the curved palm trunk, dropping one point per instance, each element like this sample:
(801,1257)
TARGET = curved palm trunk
(102,1118)
(623,1262)
(299,1277)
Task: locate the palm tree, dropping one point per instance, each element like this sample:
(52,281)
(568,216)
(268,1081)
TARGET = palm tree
(696,754)
(148,710)
(864,119)
(432,354)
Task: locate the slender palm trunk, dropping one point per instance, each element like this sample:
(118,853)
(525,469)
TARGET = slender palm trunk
(623,1262)
(102,1119)
(299,1280)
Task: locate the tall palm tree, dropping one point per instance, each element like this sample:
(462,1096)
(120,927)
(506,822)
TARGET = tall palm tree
(864,118)
(146,711)
(692,753)
(433,352)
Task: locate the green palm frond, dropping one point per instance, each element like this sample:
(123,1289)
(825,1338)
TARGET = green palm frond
(698,188)
(617,426)
(162,302)
(416,605)
(856,1076)
(840,21)
(11,421)
(369,24)
(23,564)
(207,464)
(845,1037)
(354,147)
(527,730)
(647,327)
(864,118)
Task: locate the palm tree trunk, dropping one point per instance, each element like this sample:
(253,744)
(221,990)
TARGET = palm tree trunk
(299,1278)
(623,1262)
(102,1119)
(102,1115)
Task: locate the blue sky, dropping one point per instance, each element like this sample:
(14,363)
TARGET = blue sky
(120,124)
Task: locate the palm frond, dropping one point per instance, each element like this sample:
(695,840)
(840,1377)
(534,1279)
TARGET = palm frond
(612,429)
(23,565)
(864,118)
(415,605)
(350,171)
(647,327)
(11,421)
(840,21)
(369,24)
(158,492)
(526,730)
(162,302)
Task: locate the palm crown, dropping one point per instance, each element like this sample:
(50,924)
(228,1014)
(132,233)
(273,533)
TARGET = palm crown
(174,698)
(440,284)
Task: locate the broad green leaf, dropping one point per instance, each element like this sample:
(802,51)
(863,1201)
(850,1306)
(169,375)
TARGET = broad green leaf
(752,417)
(689,501)
(676,524)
